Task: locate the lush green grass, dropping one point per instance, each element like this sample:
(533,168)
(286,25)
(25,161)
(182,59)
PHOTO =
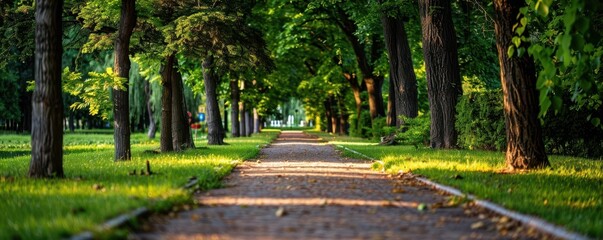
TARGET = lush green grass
(96,188)
(569,194)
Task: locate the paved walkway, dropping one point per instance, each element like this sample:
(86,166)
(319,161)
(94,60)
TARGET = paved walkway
(301,188)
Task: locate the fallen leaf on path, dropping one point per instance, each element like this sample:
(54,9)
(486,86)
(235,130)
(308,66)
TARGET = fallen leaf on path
(477,225)
(422,207)
(280,212)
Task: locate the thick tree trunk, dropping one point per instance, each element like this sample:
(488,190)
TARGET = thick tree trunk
(47,101)
(180,126)
(215,132)
(442,70)
(166,144)
(375,94)
(402,73)
(121,65)
(234,108)
(147,97)
(525,148)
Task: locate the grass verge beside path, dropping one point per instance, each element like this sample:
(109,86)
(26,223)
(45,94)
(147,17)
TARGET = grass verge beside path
(96,188)
(569,194)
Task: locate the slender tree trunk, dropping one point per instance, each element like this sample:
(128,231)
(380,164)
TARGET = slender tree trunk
(328,112)
(179,119)
(225,117)
(248,123)
(166,144)
(121,65)
(356,90)
(243,119)
(343,116)
(215,132)
(152,124)
(525,148)
(391,104)
(234,108)
(71,122)
(47,101)
(442,70)
(402,73)
(256,121)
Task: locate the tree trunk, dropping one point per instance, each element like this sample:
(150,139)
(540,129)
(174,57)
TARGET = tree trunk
(343,116)
(442,70)
(401,71)
(47,101)
(215,132)
(166,144)
(121,65)
(179,118)
(225,117)
(152,124)
(328,113)
(366,65)
(356,90)
(525,148)
(256,121)
(234,108)
(243,120)
(248,123)
(391,104)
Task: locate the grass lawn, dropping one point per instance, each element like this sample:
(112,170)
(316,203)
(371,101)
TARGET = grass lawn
(96,188)
(569,194)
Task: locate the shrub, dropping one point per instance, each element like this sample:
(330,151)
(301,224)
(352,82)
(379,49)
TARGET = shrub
(415,131)
(380,129)
(480,121)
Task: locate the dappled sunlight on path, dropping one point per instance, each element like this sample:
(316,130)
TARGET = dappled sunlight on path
(301,188)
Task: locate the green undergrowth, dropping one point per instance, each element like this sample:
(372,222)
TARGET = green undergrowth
(96,189)
(570,193)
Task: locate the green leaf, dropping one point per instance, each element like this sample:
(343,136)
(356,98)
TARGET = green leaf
(542,9)
(510,51)
(544,105)
(516,41)
(520,51)
(556,103)
(595,121)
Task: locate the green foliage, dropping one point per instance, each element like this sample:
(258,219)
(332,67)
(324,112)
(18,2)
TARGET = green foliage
(380,129)
(96,188)
(480,121)
(568,46)
(415,131)
(9,90)
(93,92)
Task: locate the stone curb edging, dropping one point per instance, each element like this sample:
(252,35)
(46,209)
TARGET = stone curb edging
(124,218)
(531,221)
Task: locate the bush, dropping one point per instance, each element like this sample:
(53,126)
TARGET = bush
(480,121)
(380,129)
(415,131)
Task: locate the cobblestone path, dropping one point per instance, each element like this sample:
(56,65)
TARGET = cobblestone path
(301,188)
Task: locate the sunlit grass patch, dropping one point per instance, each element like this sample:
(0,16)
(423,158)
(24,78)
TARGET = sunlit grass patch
(96,188)
(569,194)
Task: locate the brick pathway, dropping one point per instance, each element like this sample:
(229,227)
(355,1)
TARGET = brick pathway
(301,188)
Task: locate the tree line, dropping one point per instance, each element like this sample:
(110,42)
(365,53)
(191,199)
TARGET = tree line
(335,55)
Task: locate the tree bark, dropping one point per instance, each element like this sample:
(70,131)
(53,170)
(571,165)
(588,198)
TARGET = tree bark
(47,100)
(215,132)
(525,147)
(242,119)
(328,114)
(373,83)
(256,121)
(180,126)
(248,123)
(234,108)
(166,144)
(442,70)
(152,124)
(402,73)
(356,90)
(121,65)
(391,104)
